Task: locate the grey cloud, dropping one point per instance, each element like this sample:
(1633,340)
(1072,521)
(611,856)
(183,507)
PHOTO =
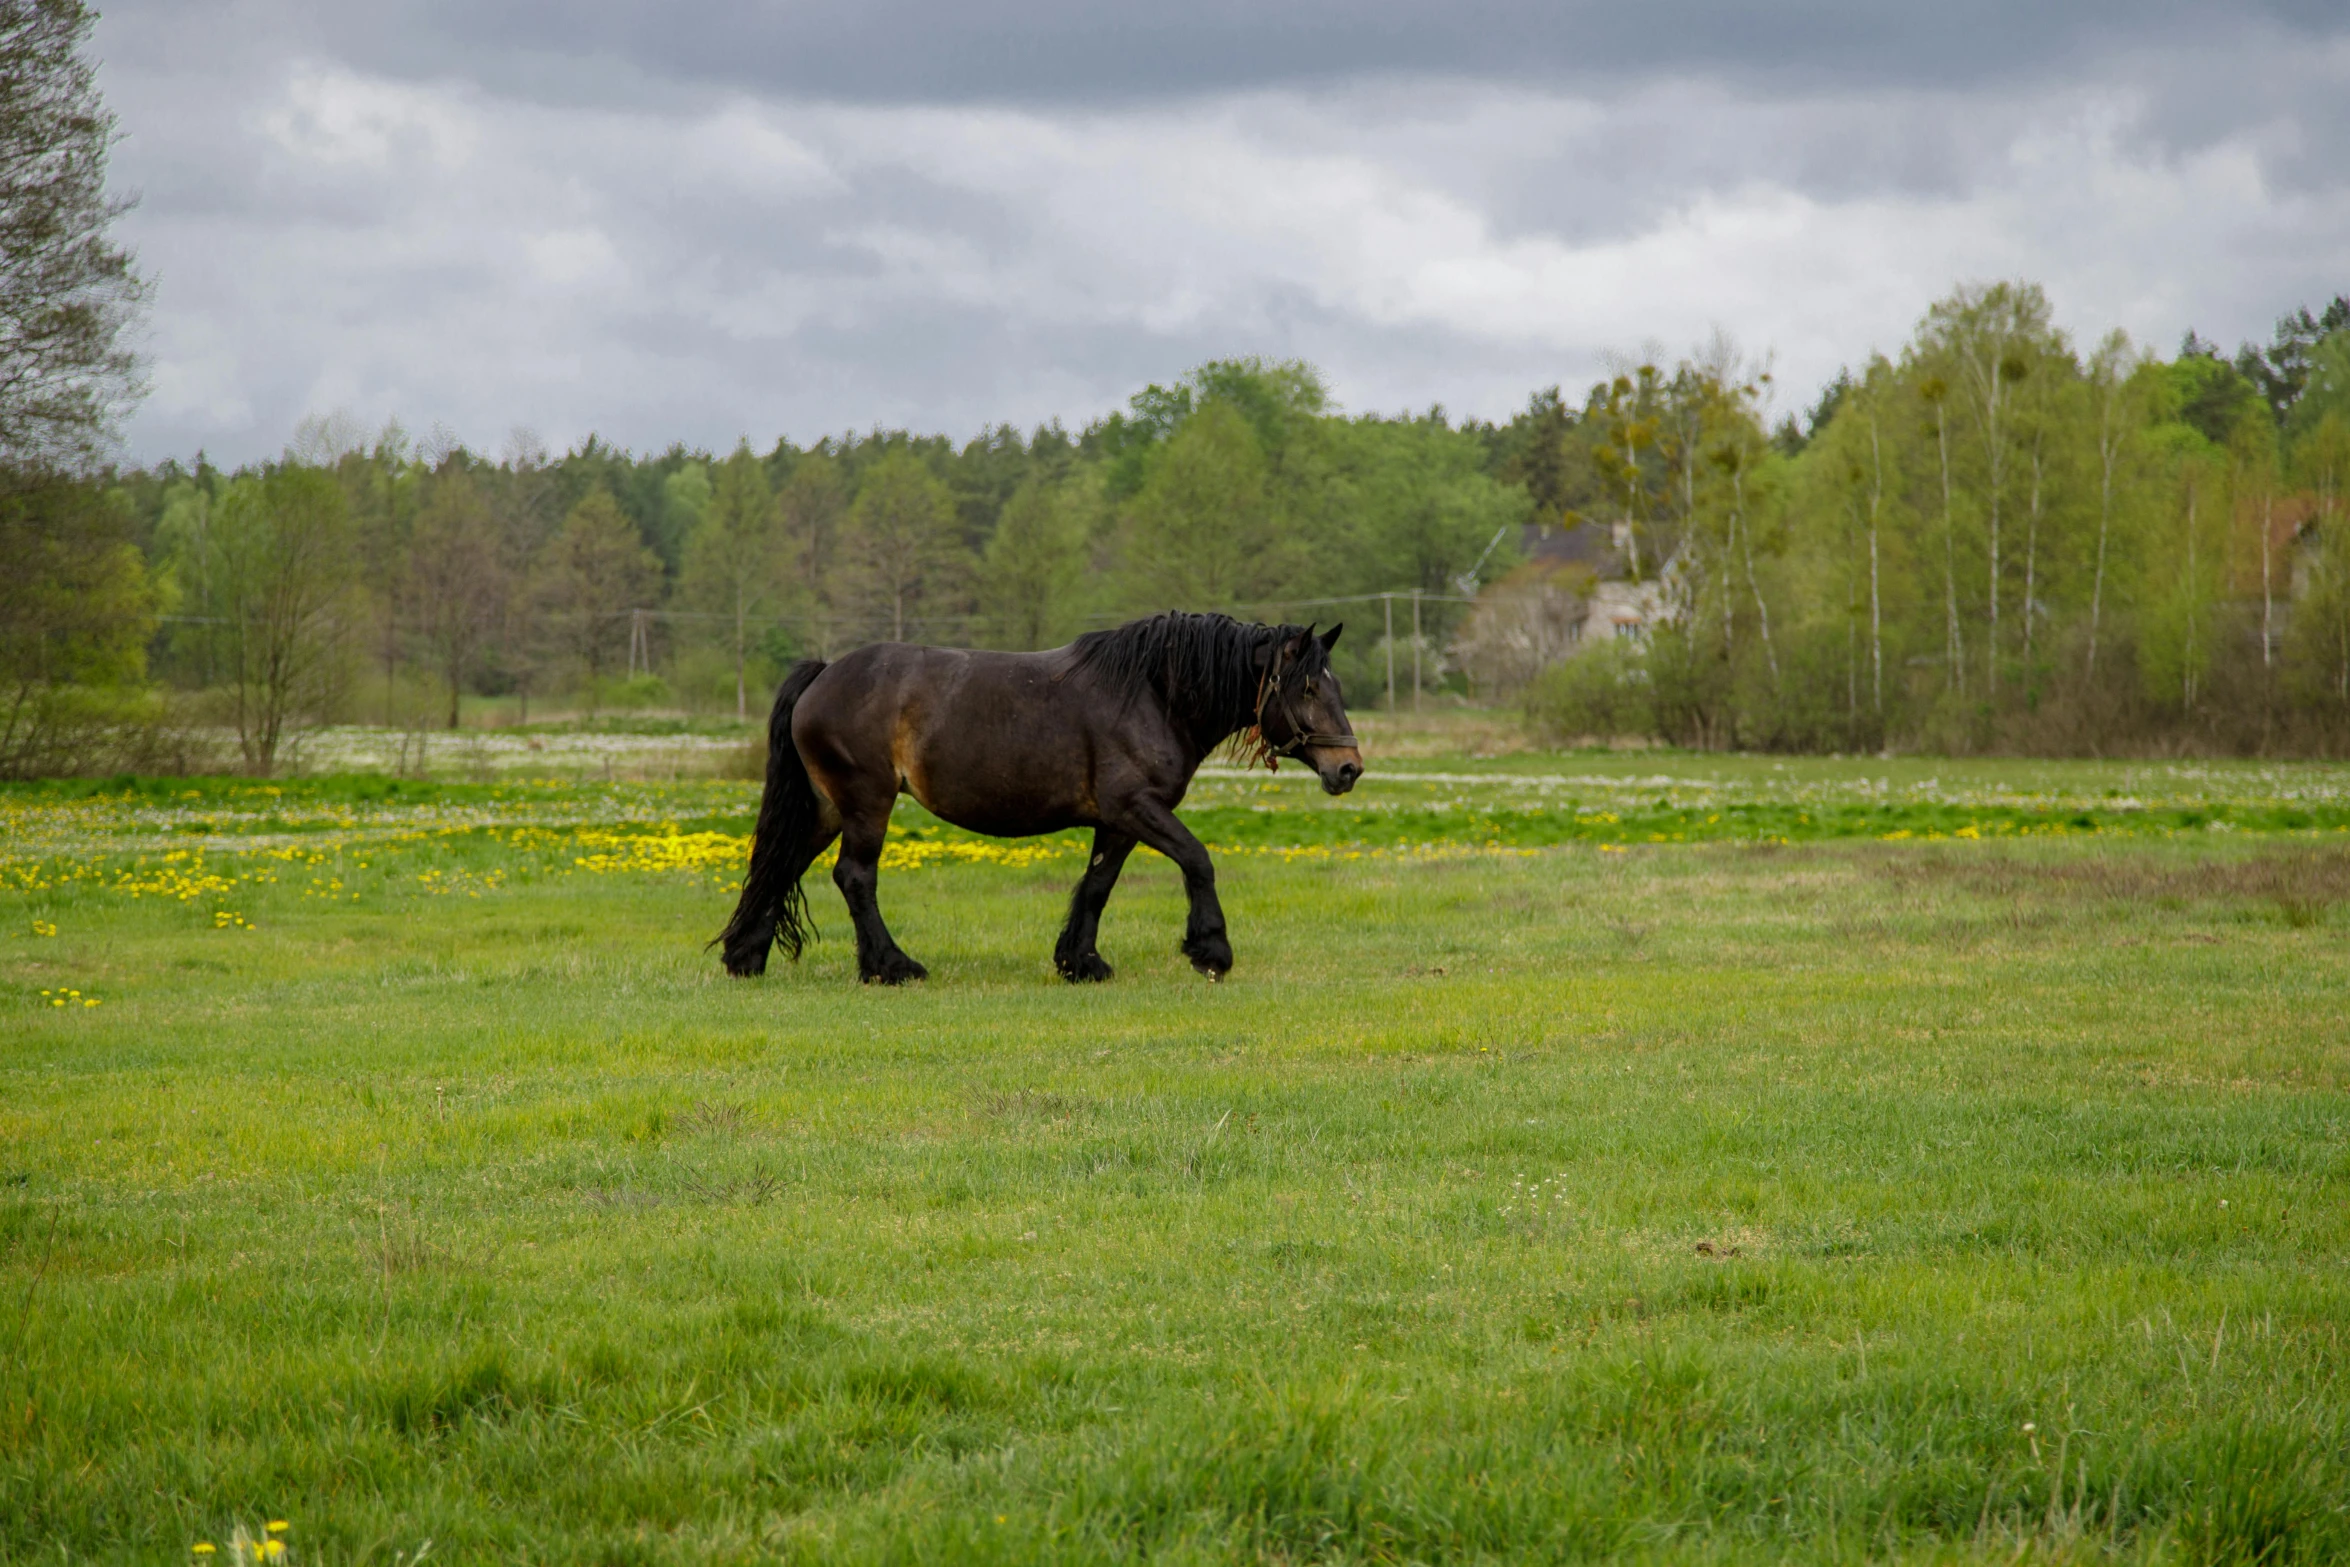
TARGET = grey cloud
(404,219)
(1061,51)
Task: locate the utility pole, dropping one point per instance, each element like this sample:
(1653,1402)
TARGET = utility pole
(640,653)
(1415,650)
(1387,604)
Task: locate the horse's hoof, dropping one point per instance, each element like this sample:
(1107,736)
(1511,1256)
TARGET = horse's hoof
(1087,970)
(1211,955)
(896,972)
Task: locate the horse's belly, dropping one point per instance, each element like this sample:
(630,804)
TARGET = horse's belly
(1016,799)
(1006,824)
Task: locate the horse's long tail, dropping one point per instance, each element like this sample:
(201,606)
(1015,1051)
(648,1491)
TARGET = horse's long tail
(787,839)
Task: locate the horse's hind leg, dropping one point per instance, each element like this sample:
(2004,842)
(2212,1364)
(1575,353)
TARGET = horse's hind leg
(856,873)
(1074,953)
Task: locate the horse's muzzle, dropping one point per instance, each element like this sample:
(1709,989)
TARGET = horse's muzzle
(1339,779)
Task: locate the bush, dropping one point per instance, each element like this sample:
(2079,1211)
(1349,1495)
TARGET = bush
(76,611)
(638,692)
(1600,693)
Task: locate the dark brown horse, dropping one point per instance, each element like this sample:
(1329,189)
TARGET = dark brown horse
(1104,733)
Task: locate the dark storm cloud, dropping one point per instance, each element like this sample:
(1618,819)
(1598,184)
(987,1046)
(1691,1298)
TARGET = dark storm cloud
(942,51)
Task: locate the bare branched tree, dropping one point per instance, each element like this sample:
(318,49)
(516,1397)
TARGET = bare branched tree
(281,554)
(67,292)
(456,585)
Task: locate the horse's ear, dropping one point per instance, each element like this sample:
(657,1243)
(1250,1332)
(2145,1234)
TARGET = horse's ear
(1330,637)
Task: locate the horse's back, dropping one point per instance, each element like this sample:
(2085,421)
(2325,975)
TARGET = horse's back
(1000,743)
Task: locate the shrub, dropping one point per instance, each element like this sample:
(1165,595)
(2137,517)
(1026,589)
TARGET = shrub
(1600,693)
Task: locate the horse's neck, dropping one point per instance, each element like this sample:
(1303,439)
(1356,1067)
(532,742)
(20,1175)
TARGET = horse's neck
(1202,739)
(1242,717)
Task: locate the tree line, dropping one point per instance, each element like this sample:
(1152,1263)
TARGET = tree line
(380,578)
(1991,540)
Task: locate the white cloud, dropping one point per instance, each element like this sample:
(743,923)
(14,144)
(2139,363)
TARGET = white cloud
(582,257)
(332,116)
(743,144)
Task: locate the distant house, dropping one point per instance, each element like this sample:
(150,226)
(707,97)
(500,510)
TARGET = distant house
(1615,606)
(1574,588)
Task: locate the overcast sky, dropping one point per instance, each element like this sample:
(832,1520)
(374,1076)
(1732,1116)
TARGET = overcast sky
(704,221)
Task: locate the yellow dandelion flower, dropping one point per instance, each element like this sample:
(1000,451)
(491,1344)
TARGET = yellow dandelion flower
(278,1526)
(203,1547)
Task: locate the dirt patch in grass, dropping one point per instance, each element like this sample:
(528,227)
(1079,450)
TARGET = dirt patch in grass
(1031,1104)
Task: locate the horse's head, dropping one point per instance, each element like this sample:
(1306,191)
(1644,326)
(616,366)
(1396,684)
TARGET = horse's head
(1302,713)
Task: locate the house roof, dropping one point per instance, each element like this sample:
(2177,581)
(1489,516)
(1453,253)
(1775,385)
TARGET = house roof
(1589,545)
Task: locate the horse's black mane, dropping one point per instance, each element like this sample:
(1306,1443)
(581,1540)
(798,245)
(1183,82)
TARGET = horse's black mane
(1204,668)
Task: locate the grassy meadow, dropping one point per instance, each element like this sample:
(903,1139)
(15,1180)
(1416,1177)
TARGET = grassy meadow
(1628,1157)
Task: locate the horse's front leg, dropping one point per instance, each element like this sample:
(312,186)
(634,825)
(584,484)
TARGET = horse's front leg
(1204,940)
(857,873)
(1074,954)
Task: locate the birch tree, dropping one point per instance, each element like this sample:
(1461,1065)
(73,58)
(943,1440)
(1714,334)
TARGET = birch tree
(1936,393)
(2109,377)
(1990,336)
(2253,478)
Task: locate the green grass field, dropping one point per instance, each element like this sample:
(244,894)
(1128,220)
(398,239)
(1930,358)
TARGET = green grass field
(1626,1157)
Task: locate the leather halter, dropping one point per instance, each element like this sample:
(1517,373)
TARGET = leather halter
(1269,689)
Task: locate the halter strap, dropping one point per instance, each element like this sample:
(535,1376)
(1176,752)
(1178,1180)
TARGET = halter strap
(1269,688)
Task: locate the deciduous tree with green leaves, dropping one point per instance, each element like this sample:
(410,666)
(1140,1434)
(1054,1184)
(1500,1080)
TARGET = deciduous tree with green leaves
(737,564)
(905,544)
(281,562)
(456,587)
(77,608)
(815,507)
(592,573)
(1033,579)
(68,292)
(1201,534)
